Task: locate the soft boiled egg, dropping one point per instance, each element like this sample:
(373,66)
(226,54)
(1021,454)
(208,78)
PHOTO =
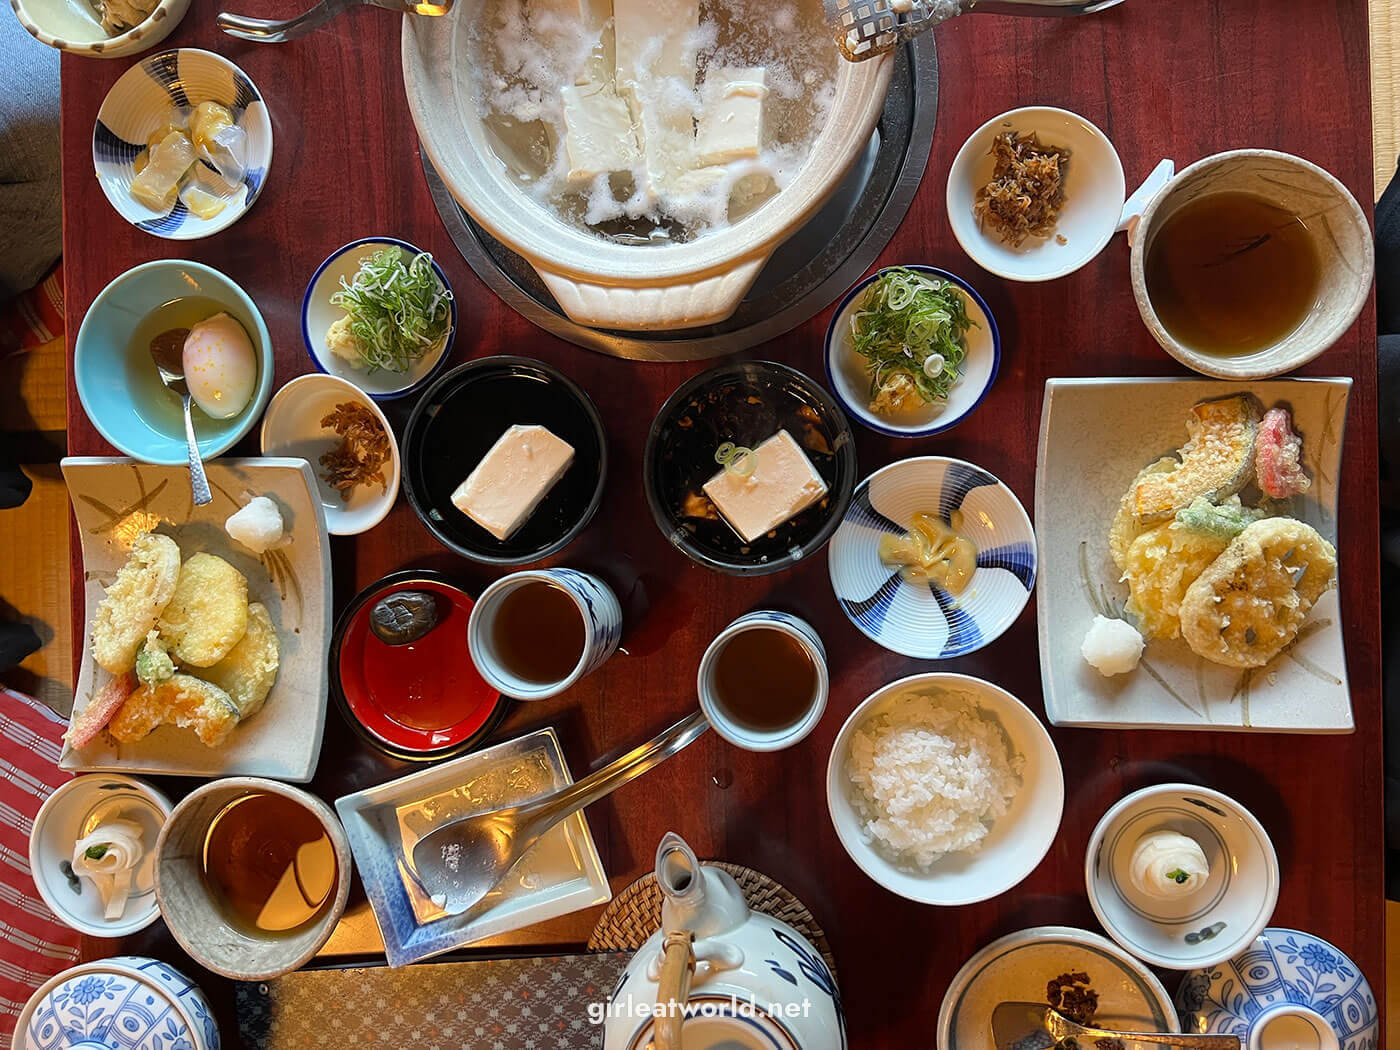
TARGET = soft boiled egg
(221,368)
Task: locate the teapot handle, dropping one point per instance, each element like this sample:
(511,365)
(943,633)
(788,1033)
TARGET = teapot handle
(673,988)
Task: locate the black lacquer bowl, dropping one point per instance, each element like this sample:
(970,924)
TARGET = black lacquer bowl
(458,420)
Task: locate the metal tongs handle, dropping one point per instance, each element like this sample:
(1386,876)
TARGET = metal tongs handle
(1042,8)
(551,809)
(278,31)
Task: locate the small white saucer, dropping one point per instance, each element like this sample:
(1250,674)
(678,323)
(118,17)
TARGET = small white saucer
(292,427)
(1094,196)
(72,812)
(1220,919)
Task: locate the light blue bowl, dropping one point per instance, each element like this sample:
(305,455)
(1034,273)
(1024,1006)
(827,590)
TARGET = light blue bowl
(117,382)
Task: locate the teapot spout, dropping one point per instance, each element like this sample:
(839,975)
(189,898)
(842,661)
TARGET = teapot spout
(699,897)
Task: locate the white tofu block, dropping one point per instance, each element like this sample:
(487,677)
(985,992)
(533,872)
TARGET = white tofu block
(783,484)
(509,483)
(653,40)
(731,115)
(598,132)
(656,77)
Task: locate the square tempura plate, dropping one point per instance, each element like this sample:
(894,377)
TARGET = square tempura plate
(117,499)
(1095,435)
(559,875)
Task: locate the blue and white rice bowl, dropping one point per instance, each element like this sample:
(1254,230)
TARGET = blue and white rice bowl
(922,620)
(849,379)
(145,98)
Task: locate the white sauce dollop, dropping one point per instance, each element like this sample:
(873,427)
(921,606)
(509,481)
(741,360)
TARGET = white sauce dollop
(1168,865)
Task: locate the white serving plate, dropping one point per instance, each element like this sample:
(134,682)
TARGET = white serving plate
(1017,967)
(1095,435)
(115,499)
(560,874)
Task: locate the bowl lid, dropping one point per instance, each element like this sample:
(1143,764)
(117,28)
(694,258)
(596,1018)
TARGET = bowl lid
(110,1002)
(1286,989)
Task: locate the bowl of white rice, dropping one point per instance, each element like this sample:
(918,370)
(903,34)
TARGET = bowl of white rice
(945,789)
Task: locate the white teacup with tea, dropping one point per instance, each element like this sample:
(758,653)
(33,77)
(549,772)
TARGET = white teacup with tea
(763,681)
(1250,263)
(533,634)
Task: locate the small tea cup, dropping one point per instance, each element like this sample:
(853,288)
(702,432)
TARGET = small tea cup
(195,917)
(1336,223)
(602,630)
(800,631)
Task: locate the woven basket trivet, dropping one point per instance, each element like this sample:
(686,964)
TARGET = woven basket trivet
(635,914)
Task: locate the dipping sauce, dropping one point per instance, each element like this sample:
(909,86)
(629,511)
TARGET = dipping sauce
(269,864)
(932,551)
(742,410)
(538,633)
(764,680)
(1232,273)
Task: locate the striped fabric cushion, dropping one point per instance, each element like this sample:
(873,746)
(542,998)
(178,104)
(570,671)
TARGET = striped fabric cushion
(34,945)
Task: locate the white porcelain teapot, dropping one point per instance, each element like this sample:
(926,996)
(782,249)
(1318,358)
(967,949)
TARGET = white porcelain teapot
(718,976)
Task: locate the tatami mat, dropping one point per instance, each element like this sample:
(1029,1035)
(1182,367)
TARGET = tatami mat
(1385,88)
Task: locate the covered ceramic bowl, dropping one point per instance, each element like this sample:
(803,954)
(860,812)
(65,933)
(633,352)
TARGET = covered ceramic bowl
(128,1001)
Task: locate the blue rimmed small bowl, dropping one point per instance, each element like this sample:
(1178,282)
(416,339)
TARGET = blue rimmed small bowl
(149,95)
(318,313)
(922,620)
(848,379)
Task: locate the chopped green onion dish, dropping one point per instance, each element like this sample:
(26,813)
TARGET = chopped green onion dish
(736,459)
(910,328)
(397,311)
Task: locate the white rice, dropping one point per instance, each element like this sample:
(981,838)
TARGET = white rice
(930,774)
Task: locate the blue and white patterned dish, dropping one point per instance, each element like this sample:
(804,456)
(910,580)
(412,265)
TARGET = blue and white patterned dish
(1287,989)
(124,1003)
(318,314)
(561,873)
(145,98)
(602,629)
(847,376)
(922,620)
(1216,922)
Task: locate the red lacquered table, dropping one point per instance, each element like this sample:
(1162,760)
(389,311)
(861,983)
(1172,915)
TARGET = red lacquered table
(1163,80)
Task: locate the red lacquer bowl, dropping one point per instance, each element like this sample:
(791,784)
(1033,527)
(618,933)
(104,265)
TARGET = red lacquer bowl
(422,701)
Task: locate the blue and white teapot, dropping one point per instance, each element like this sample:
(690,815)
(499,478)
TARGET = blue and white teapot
(718,976)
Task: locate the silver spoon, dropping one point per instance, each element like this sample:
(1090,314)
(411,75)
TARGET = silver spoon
(459,863)
(168,356)
(869,28)
(278,31)
(1036,1026)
